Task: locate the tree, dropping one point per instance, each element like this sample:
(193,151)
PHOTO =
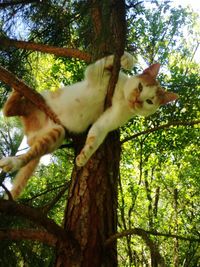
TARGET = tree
(85,202)
(93,190)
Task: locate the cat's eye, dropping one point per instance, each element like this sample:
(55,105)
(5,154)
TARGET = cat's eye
(140,87)
(149,101)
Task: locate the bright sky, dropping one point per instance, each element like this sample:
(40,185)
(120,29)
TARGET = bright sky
(195,4)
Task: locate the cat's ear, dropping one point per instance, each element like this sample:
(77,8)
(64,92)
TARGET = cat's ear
(152,70)
(166,97)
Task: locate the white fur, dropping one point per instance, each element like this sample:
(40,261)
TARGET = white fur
(80,105)
(11,164)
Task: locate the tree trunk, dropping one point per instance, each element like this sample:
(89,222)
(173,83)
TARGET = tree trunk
(91,213)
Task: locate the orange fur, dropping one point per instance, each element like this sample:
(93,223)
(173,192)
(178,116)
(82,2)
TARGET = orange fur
(133,102)
(21,177)
(34,121)
(15,105)
(80,105)
(147,79)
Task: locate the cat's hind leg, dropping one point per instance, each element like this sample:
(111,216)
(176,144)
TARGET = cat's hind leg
(15,105)
(22,177)
(44,144)
(11,164)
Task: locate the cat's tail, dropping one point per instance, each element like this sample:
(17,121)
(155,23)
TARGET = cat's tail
(23,176)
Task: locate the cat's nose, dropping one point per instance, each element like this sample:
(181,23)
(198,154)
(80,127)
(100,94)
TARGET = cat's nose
(136,103)
(135,94)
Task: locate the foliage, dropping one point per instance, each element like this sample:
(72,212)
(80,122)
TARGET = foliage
(159,173)
(159,188)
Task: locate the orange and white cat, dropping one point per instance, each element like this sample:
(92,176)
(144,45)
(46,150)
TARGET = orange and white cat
(78,106)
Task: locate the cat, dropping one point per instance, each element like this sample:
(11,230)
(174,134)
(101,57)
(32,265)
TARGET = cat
(78,106)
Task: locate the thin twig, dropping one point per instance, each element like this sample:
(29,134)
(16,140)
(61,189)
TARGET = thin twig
(164,126)
(49,206)
(139,231)
(7,192)
(145,236)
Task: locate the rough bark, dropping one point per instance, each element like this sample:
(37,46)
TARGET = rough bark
(91,213)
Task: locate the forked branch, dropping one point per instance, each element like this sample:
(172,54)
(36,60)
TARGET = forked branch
(15,209)
(55,232)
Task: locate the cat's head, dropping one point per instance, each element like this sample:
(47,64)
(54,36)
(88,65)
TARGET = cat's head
(144,94)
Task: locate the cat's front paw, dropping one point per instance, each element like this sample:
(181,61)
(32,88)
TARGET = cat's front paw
(128,61)
(10,164)
(89,148)
(81,159)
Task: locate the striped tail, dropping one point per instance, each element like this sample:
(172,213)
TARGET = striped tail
(23,176)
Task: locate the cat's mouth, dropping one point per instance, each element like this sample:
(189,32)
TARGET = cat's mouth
(136,103)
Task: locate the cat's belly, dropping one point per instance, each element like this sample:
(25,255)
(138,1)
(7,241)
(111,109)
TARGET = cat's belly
(77,106)
(78,120)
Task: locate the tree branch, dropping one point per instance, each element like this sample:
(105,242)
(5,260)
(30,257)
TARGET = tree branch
(145,236)
(22,2)
(28,200)
(119,29)
(57,51)
(50,205)
(12,81)
(13,208)
(28,234)
(7,191)
(139,231)
(55,232)
(164,126)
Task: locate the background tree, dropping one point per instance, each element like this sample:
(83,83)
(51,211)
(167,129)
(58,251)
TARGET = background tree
(158,179)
